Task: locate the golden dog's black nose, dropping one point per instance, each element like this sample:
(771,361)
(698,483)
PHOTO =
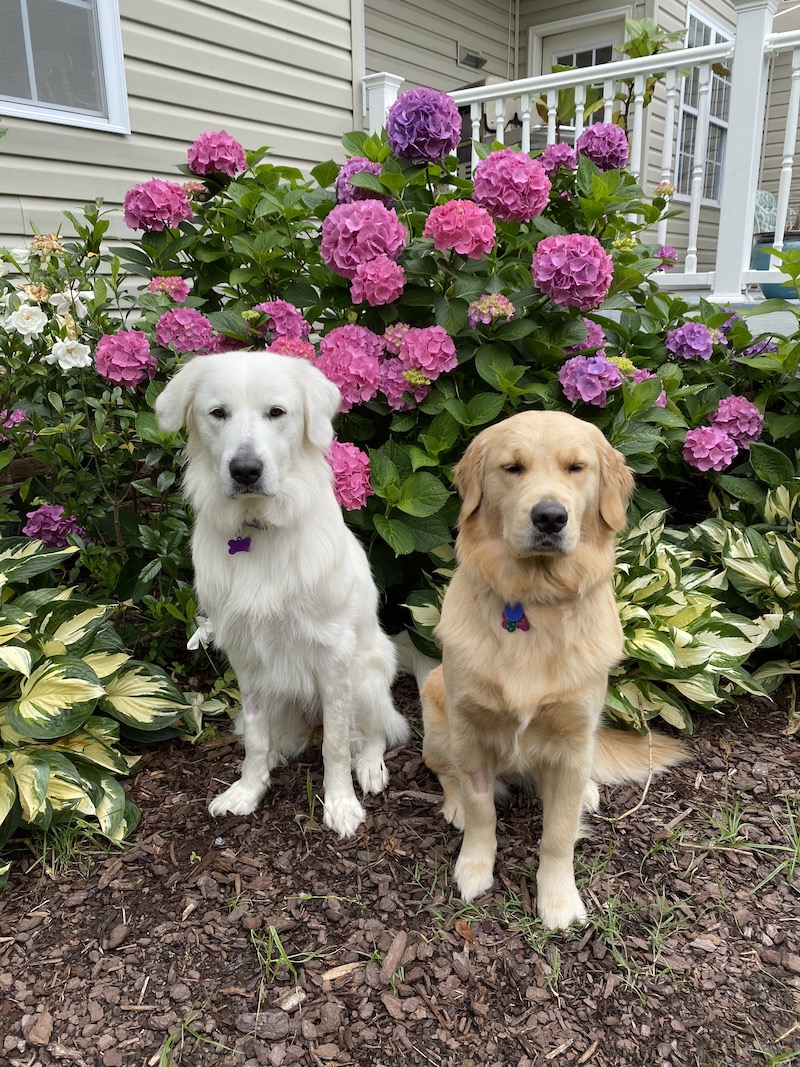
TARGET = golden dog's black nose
(549,517)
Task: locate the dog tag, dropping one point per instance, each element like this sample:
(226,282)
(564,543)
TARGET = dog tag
(514,618)
(238,544)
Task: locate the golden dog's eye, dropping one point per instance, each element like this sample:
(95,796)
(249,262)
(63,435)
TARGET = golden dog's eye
(576,468)
(218,413)
(513,468)
(276,412)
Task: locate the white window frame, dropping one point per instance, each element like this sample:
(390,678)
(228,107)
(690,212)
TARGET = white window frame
(684,109)
(117,119)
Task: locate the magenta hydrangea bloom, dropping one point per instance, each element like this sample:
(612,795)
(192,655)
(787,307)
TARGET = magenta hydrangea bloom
(216,152)
(50,525)
(156,204)
(589,378)
(423,126)
(350,356)
(399,382)
(346,192)
(284,319)
(185,330)
(350,468)
(488,309)
(511,185)
(709,448)
(668,256)
(573,269)
(691,341)
(595,338)
(355,233)
(393,336)
(460,225)
(379,281)
(429,349)
(125,358)
(739,418)
(605,144)
(641,375)
(221,342)
(13,418)
(294,346)
(175,288)
(560,156)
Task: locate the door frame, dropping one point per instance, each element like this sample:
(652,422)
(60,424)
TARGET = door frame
(536,34)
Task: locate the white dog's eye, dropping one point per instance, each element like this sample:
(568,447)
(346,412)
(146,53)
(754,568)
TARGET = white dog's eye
(276,413)
(218,413)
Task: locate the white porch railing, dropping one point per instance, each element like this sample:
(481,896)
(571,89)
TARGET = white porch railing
(749,57)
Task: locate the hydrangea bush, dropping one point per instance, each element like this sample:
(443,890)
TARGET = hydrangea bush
(439,306)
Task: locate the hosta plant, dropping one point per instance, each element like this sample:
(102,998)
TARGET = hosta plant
(68,693)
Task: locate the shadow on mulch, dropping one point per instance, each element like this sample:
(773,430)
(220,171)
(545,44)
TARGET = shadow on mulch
(266,940)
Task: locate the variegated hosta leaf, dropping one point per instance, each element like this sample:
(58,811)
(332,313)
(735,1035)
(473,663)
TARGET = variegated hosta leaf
(16,658)
(653,646)
(655,701)
(144,697)
(115,814)
(8,793)
(85,745)
(13,622)
(32,775)
(58,697)
(5,870)
(39,601)
(21,558)
(65,790)
(104,664)
(700,688)
(71,627)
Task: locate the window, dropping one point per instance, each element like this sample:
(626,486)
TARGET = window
(62,61)
(701,33)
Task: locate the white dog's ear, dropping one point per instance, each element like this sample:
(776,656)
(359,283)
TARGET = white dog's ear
(173,403)
(468,476)
(321,400)
(616,486)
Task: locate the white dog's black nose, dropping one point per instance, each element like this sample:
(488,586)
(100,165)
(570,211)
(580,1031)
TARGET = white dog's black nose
(549,517)
(245,469)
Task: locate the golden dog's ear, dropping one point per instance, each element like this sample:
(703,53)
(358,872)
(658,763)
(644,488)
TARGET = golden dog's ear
(321,400)
(468,476)
(173,404)
(616,486)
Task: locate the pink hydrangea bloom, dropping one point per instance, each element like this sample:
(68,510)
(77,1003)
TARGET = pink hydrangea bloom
(355,233)
(399,382)
(13,418)
(346,192)
(294,346)
(595,338)
(350,468)
(50,525)
(589,378)
(573,269)
(691,341)
(185,330)
(175,287)
(462,226)
(125,358)
(511,185)
(641,375)
(221,342)
(560,156)
(739,418)
(423,126)
(156,204)
(488,309)
(216,152)
(393,336)
(668,256)
(709,448)
(605,144)
(379,281)
(429,349)
(350,356)
(284,319)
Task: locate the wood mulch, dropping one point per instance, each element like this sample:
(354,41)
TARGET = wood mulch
(265,940)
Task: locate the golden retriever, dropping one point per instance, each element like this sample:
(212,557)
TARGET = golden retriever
(284,582)
(529,631)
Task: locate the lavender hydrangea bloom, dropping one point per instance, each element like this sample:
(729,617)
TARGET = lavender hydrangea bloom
(346,192)
(595,338)
(589,378)
(691,341)
(605,144)
(709,448)
(50,525)
(560,156)
(423,126)
(739,418)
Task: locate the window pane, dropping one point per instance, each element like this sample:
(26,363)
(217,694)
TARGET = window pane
(14,80)
(66,59)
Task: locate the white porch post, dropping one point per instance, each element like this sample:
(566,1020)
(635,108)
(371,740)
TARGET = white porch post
(743,157)
(382,90)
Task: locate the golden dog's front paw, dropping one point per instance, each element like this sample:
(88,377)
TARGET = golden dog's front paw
(474,876)
(560,906)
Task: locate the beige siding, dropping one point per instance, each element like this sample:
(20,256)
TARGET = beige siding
(418,40)
(277,72)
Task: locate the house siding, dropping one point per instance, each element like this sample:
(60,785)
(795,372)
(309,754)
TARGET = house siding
(277,72)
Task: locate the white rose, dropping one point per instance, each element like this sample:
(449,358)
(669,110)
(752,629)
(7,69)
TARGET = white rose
(69,355)
(27,320)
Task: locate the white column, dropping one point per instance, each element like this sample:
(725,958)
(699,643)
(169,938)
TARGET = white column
(381,90)
(743,158)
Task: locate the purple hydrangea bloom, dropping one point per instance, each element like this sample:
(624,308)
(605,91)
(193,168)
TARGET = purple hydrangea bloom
(595,338)
(50,525)
(668,256)
(346,192)
(560,156)
(739,418)
(605,144)
(709,448)
(423,126)
(691,341)
(284,319)
(759,348)
(589,378)
(573,269)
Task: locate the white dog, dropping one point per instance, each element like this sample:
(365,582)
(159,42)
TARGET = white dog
(284,581)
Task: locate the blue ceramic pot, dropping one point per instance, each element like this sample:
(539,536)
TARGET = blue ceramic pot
(759,260)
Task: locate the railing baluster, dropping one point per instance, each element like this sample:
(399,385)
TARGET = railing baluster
(500,120)
(668,142)
(525,116)
(580,105)
(608,100)
(698,165)
(552,114)
(635,160)
(475,116)
(789,146)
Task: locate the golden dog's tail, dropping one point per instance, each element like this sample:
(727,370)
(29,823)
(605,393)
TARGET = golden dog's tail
(621,756)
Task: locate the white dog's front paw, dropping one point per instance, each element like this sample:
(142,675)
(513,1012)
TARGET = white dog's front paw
(371,772)
(344,814)
(559,906)
(240,799)
(474,876)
